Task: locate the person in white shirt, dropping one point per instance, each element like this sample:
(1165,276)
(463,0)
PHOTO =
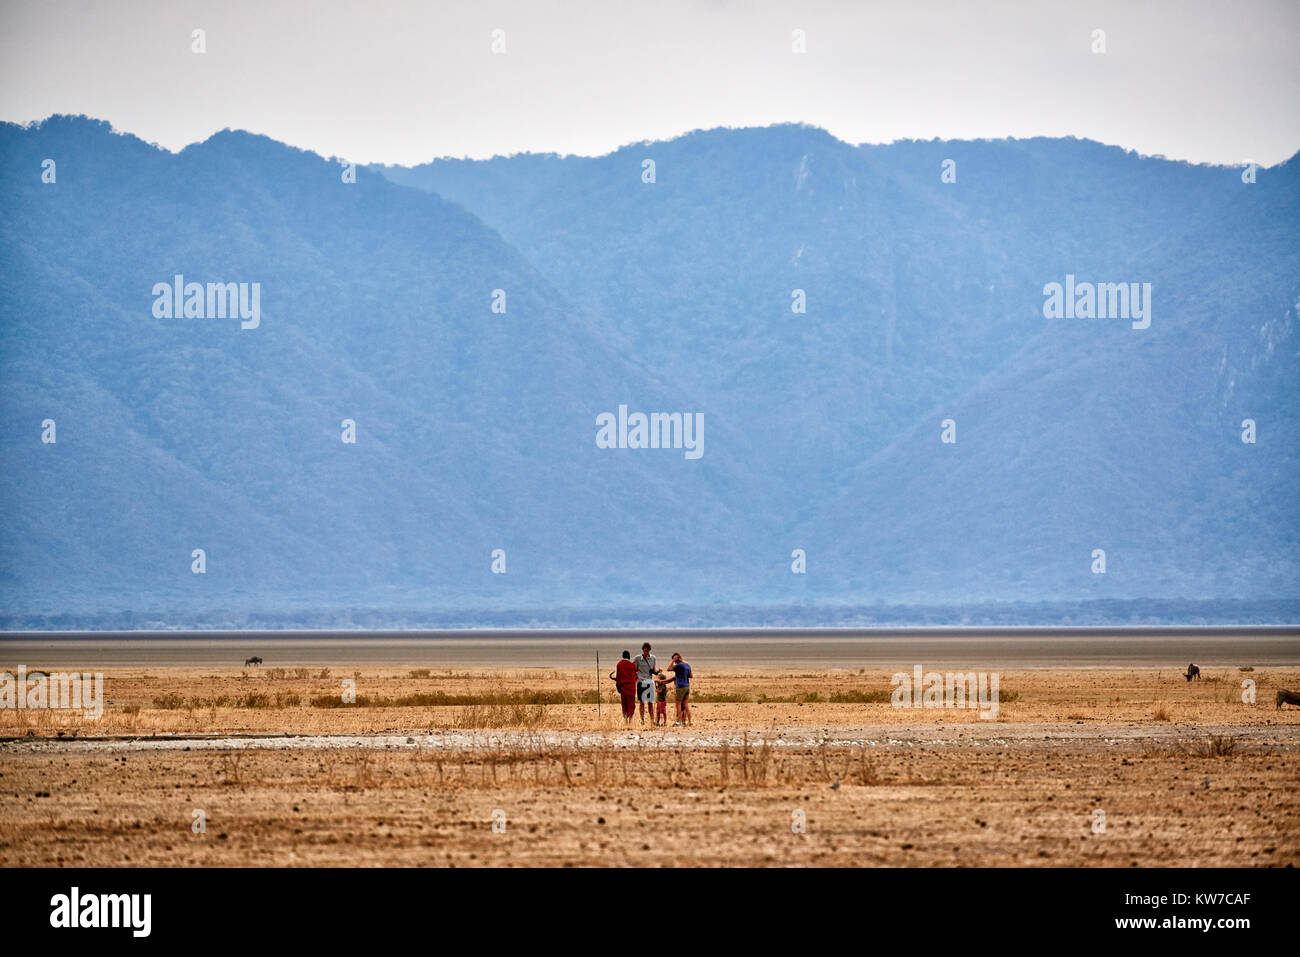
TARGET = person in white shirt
(646,670)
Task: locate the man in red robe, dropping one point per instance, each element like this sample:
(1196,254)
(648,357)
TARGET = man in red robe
(625,681)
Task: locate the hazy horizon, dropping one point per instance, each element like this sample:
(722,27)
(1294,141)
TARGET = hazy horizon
(401,84)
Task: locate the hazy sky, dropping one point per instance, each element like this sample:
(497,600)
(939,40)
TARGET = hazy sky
(404,82)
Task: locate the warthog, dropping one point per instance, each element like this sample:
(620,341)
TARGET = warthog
(1288,697)
(1192,672)
(252,661)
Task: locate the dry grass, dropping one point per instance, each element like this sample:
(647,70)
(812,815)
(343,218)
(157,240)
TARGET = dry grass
(307,701)
(501,715)
(1220,746)
(1012,805)
(1213,789)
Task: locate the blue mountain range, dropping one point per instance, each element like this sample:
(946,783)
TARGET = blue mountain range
(893,429)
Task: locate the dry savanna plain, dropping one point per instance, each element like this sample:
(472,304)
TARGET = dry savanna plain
(225,766)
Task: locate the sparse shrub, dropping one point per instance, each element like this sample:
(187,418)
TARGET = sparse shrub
(517,715)
(336,701)
(441,699)
(1220,746)
(875,696)
(855,696)
(867,770)
(363,775)
(231,763)
(721,697)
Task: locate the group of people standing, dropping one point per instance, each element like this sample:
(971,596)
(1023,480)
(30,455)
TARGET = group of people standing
(639,680)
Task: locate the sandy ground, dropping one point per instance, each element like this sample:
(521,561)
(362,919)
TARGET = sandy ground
(1186,774)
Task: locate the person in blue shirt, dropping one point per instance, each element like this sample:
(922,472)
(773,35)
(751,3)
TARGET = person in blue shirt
(682,679)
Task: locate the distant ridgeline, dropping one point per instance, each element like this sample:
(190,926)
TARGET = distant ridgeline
(1136,613)
(996,382)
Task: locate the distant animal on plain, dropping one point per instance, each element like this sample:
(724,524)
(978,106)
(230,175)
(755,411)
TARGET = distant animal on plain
(1288,697)
(252,661)
(1192,672)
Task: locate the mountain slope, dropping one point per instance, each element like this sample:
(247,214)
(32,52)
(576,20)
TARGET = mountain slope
(477,430)
(925,302)
(176,434)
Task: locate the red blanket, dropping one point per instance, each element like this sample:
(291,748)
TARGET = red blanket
(625,677)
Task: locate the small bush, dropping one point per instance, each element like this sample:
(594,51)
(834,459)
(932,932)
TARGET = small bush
(722,697)
(336,701)
(501,716)
(440,699)
(1220,746)
(877,696)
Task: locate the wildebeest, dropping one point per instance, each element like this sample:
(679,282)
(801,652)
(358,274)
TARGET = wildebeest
(252,661)
(1288,697)
(1192,672)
